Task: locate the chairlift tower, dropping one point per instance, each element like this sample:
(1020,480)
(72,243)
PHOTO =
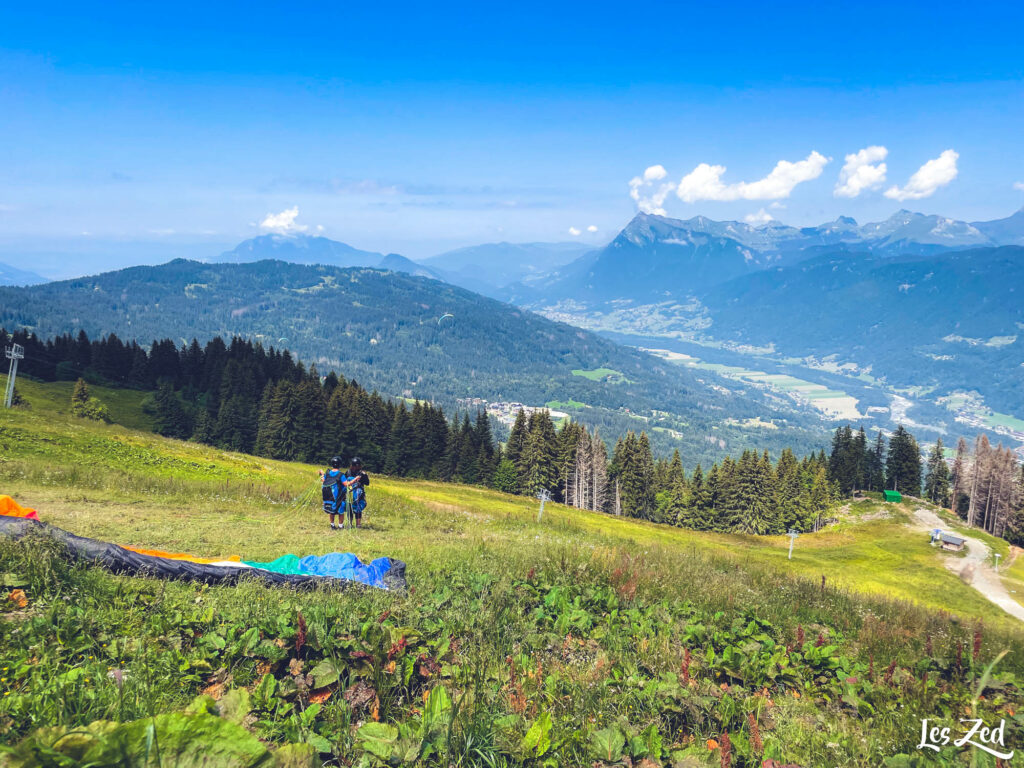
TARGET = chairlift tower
(14,354)
(544,496)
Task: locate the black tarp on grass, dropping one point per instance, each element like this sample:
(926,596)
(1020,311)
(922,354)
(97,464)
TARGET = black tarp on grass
(120,560)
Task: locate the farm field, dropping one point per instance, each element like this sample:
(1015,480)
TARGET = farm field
(580,639)
(835,404)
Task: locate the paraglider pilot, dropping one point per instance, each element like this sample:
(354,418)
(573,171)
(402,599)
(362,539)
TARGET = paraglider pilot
(336,487)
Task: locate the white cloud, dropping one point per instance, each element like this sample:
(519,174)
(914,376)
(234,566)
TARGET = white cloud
(283,223)
(1016,185)
(761,217)
(862,170)
(705,181)
(574,232)
(648,194)
(929,177)
(655,173)
(592,228)
(777,206)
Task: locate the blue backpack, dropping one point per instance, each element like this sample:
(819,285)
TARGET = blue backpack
(332,491)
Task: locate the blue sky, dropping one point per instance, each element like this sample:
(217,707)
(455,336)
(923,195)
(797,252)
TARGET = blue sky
(140,132)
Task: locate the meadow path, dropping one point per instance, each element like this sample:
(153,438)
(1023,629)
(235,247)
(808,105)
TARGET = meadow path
(985,580)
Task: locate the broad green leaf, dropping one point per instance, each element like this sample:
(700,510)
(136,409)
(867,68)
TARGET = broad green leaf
(235,705)
(295,756)
(538,739)
(607,744)
(325,673)
(11,580)
(438,704)
(319,743)
(265,691)
(182,740)
(377,738)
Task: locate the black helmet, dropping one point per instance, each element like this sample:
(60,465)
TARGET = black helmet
(355,462)
(335,462)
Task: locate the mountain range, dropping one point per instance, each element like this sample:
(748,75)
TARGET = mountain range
(385,329)
(915,304)
(656,257)
(489,267)
(485,268)
(14,276)
(314,249)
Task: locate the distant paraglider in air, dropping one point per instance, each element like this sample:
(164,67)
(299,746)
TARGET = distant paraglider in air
(283,340)
(442,317)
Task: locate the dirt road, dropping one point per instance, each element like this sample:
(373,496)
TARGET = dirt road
(985,580)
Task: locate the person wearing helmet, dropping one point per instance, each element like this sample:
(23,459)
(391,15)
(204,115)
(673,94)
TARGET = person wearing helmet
(334,492)
(355,480)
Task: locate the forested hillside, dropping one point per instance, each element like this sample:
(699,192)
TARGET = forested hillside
(951,321)
(411,337)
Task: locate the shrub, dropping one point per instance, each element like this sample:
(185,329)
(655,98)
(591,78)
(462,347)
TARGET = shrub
(85,406)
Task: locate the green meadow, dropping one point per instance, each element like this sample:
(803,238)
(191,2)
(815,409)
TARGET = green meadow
(576,639)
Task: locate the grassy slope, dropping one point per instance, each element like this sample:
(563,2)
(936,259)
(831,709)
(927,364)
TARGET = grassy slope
(1013,578)
(468,551)
(113,483)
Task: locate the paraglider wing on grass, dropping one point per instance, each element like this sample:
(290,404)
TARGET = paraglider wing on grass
(384,573)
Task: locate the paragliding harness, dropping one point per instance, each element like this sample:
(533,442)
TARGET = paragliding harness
(343,497)
(333,492)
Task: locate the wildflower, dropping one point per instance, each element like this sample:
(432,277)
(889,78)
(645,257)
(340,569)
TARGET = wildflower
(871,669)
(686,667)
(755,734)
(712,745)
(300,637)
(800,636)
(977,643)
(726,751)
(889,671)
(820,641)
(117,675)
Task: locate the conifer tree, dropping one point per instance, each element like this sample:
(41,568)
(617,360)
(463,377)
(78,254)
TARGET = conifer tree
(538,463)
(169,416)
(903,464)
(676,474)
(936,484)
(517,439)
(959,480)
(79,398)
(400,451)
(506,478)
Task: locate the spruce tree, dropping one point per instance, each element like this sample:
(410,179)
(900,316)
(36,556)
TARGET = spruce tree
(676,474)
(506,477)
(169,416)
(400,451)
(754,496)
(903,465)
(539,459)
(517,439)
(960,479)
(79,398)
(936,484)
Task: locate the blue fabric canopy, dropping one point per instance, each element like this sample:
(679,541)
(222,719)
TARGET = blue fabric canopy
(345,565)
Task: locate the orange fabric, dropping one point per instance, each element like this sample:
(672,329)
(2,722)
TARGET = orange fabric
(11,508)
(180,556)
